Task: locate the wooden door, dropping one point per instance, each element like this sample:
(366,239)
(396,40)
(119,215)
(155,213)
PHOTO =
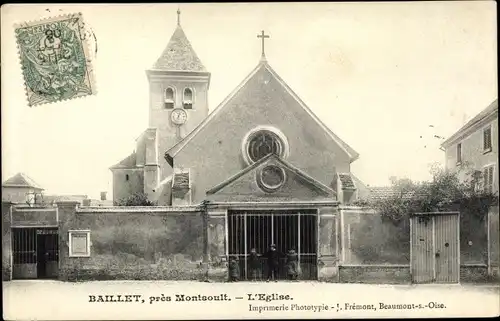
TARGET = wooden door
(447,248)
(422,254)
(435,248)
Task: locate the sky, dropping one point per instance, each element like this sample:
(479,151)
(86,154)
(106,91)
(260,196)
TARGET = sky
(377,74)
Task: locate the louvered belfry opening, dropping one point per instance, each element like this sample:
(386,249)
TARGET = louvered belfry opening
(287,229)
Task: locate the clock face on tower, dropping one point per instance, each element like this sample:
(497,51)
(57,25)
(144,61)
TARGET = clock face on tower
(178,116)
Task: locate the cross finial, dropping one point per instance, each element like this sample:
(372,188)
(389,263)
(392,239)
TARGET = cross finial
(263,36)
(178,16)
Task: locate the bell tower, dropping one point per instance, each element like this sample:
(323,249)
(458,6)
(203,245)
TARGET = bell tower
(178,94)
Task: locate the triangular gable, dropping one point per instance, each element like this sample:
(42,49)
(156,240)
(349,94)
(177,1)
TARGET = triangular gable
(172,152)
(179,55)
(21,180)
(243,184)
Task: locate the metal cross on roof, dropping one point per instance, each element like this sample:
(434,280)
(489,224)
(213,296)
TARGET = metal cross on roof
(263,36)
(178,16)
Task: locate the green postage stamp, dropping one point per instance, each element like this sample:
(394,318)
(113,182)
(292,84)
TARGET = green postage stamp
(55,59)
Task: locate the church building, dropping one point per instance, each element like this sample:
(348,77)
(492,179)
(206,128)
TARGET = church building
(264,165)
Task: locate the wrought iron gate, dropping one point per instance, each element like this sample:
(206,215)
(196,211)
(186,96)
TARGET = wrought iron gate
(35,253)
(287,229)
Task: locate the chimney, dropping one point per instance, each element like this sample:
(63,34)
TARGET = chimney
(103,196)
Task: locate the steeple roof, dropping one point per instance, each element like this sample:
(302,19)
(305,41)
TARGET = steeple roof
(179,55)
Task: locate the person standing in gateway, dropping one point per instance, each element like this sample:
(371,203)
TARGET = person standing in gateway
(234,269)
(292,265)
(254,264)
(273,262)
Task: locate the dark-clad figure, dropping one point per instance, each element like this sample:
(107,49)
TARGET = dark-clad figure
(234,269)
(292,265)
(273,263)
(253,264)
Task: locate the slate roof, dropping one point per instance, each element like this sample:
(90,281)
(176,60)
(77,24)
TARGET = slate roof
(179,55)
(181,181)
(264,66)
(346,181)
(127,162)
(21,180)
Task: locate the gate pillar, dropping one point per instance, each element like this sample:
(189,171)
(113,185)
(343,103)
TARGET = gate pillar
(328,244)
(6,241)
(216,237)
(66,210)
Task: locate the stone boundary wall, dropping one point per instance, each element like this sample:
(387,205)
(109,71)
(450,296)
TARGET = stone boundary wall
(182,243)
(134,243)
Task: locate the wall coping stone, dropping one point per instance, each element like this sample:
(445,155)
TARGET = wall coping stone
(272,204)
(358,210)
(35,207)
(138,209)
(376,266)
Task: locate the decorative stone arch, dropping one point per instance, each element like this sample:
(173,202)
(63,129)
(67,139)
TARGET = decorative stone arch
(188,98)
(169,95)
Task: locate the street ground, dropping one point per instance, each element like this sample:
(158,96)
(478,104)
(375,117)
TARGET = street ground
(55,300)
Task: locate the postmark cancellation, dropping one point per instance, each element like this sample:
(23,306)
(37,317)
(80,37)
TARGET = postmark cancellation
(55,60)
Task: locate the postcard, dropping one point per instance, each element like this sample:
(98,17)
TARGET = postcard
(193,161)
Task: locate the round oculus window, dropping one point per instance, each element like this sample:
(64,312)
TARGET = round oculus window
(271,178)
(261,142)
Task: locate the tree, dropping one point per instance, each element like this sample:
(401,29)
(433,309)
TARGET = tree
(136,199)
(447,190)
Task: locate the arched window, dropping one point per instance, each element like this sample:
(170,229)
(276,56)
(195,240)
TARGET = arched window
(126,177)
(169,98)
(187,101)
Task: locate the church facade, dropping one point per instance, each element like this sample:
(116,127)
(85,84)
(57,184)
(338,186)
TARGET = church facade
(266,168)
